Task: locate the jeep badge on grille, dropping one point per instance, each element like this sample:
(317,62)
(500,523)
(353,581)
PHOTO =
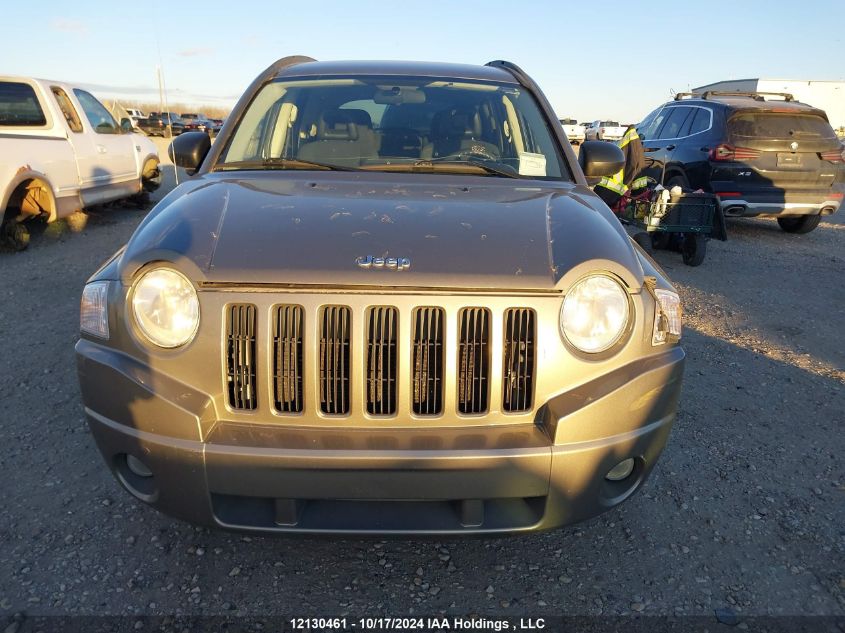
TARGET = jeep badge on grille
(396,263)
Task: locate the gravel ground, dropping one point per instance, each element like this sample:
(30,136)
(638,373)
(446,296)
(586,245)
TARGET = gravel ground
(745,511)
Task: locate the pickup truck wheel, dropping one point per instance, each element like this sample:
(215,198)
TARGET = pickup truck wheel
(801,224)
(15,235)
(151,176)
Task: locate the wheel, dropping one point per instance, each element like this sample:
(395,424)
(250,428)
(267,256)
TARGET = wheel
(694,248)
(644,240)
(15,235)
(800,224)
(677,181)
(150,176)
(660,240)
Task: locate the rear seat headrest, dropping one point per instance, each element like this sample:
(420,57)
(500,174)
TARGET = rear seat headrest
(358,117)
(337,125)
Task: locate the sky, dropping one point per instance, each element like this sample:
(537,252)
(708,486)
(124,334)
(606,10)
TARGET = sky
(611,60)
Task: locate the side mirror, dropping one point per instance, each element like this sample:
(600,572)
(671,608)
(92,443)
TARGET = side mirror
(125,125)
(598,158)
(189,149)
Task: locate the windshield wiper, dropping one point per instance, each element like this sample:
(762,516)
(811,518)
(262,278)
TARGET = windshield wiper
(447,161)
(280,163)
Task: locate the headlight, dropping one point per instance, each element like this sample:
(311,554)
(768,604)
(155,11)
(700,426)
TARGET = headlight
(165,307)
(667,317)
(94,309)
(595,314)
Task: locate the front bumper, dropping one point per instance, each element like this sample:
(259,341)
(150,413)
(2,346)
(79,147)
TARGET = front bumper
(266,477)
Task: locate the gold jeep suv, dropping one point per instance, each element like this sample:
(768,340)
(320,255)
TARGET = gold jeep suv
(387,303)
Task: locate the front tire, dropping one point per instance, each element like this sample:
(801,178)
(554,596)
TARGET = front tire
(800,224)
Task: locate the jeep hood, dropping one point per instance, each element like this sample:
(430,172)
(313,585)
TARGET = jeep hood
(297,228)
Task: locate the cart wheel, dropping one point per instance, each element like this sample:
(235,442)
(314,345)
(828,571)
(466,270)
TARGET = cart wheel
(694,248)
(660,240)
(644,240)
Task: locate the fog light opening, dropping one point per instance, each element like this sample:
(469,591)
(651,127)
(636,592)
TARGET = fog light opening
(138,467)
(621,471)
(136,477)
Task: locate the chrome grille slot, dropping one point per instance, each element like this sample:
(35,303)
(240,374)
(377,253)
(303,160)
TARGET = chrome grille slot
(335,354)
(382,331)
(518,360)
(473,360)
(428,361)
(287,359)
(240,356)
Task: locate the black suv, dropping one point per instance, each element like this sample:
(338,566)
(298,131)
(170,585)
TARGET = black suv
(763,154)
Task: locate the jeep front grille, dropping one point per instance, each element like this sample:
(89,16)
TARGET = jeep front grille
(428,361)
(240,356)
(382,330)
(335,359)
(473,360)
(518,360)
(287,359)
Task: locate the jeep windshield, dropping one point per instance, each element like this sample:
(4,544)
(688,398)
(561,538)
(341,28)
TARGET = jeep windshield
(409,124)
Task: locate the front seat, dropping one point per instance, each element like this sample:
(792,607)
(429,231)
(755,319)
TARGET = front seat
(457,132)
(337,141)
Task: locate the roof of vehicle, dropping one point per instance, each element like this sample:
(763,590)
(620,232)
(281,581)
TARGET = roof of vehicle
(748,102)
(409,68)
(37,80)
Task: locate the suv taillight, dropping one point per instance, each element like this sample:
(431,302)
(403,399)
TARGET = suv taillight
(834,156)
(725,152)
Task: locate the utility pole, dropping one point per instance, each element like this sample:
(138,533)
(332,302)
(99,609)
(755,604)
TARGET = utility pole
(162,99)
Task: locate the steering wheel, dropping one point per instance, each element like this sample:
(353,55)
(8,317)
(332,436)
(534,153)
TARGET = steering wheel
(483,154)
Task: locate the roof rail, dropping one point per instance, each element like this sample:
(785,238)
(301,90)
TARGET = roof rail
(709,94)
(756,95)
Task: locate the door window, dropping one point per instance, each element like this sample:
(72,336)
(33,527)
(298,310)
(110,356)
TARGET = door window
(100,119)
(674,122)
(67,109)
(648,127)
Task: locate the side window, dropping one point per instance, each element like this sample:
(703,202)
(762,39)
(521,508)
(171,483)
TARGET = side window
(701,121)
(674,122)
(99,118)
(67,109)
(648,127)
(19,106)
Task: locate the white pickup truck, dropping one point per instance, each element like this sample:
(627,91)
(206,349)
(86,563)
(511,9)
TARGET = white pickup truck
(574,131)
(604,131)
(60,151)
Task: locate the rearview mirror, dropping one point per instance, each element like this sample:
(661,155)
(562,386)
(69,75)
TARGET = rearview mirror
(599,158)
(188,150)
(126,125)
(399,94)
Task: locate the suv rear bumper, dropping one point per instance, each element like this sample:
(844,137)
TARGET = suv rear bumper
(272,478)
(775,203)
